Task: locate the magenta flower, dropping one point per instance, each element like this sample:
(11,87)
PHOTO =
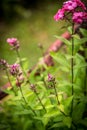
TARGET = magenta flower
(80,4)
(12,41)
(79,17)
(70,5)
(19,80)
(3,64)
(14,69)
(50,78)
(59,15)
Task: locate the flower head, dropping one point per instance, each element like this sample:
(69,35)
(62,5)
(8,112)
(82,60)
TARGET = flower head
(33,87)
(13,42)
(14,69)
(80,4)
(19,80)
(50,78)
(59,15)
(70,5)
(79,17)
(3,64)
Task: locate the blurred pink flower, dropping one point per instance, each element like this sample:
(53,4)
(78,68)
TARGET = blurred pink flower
(79,17)
(14,69)
(80,4)
(59,15)
(70,5)
(50,78)
(12,41)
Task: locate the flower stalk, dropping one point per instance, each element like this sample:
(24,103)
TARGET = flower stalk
(18,54)
(72,66)
(40,101)
(24,98)
(33,88)
(56,95)
(10,81)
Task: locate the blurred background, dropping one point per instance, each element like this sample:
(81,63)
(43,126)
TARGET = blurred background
(31,21)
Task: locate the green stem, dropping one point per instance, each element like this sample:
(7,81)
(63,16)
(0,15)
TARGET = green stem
(45,83)
(26,101)
(10,81)
(40,101)
(56,94)
(72,66)
(72,61)
(18,54)
(85,83)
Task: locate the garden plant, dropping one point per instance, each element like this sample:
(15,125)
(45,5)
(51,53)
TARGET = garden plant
(50,97)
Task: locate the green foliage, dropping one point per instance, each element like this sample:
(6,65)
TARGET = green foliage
(49,104)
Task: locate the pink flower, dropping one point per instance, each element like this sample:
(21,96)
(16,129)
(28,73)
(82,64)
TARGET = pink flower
(50,78)
(59,15)
(80,4)
(79,17)
(12,41)
(14,69)
(3,64)
(70,5)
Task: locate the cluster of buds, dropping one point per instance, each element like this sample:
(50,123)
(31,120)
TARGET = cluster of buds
(19,80)
(14,43)
(14,69)
(51,81)
(3,64)
(16,72)
(33,87)
(72,7)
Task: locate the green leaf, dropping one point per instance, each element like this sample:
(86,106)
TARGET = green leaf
(61,107)
(78,111)
(84,122)
(67,121)
(67,42)
(80,41)
(24,112)
(68,101)
(57,125)
(52,113)
(60,59)
(83,31)
(70,29)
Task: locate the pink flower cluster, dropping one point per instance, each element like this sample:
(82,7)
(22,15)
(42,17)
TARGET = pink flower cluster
(13,42)
(14,69)
(72,6)
(50,78)
(79,17)
(59,15)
